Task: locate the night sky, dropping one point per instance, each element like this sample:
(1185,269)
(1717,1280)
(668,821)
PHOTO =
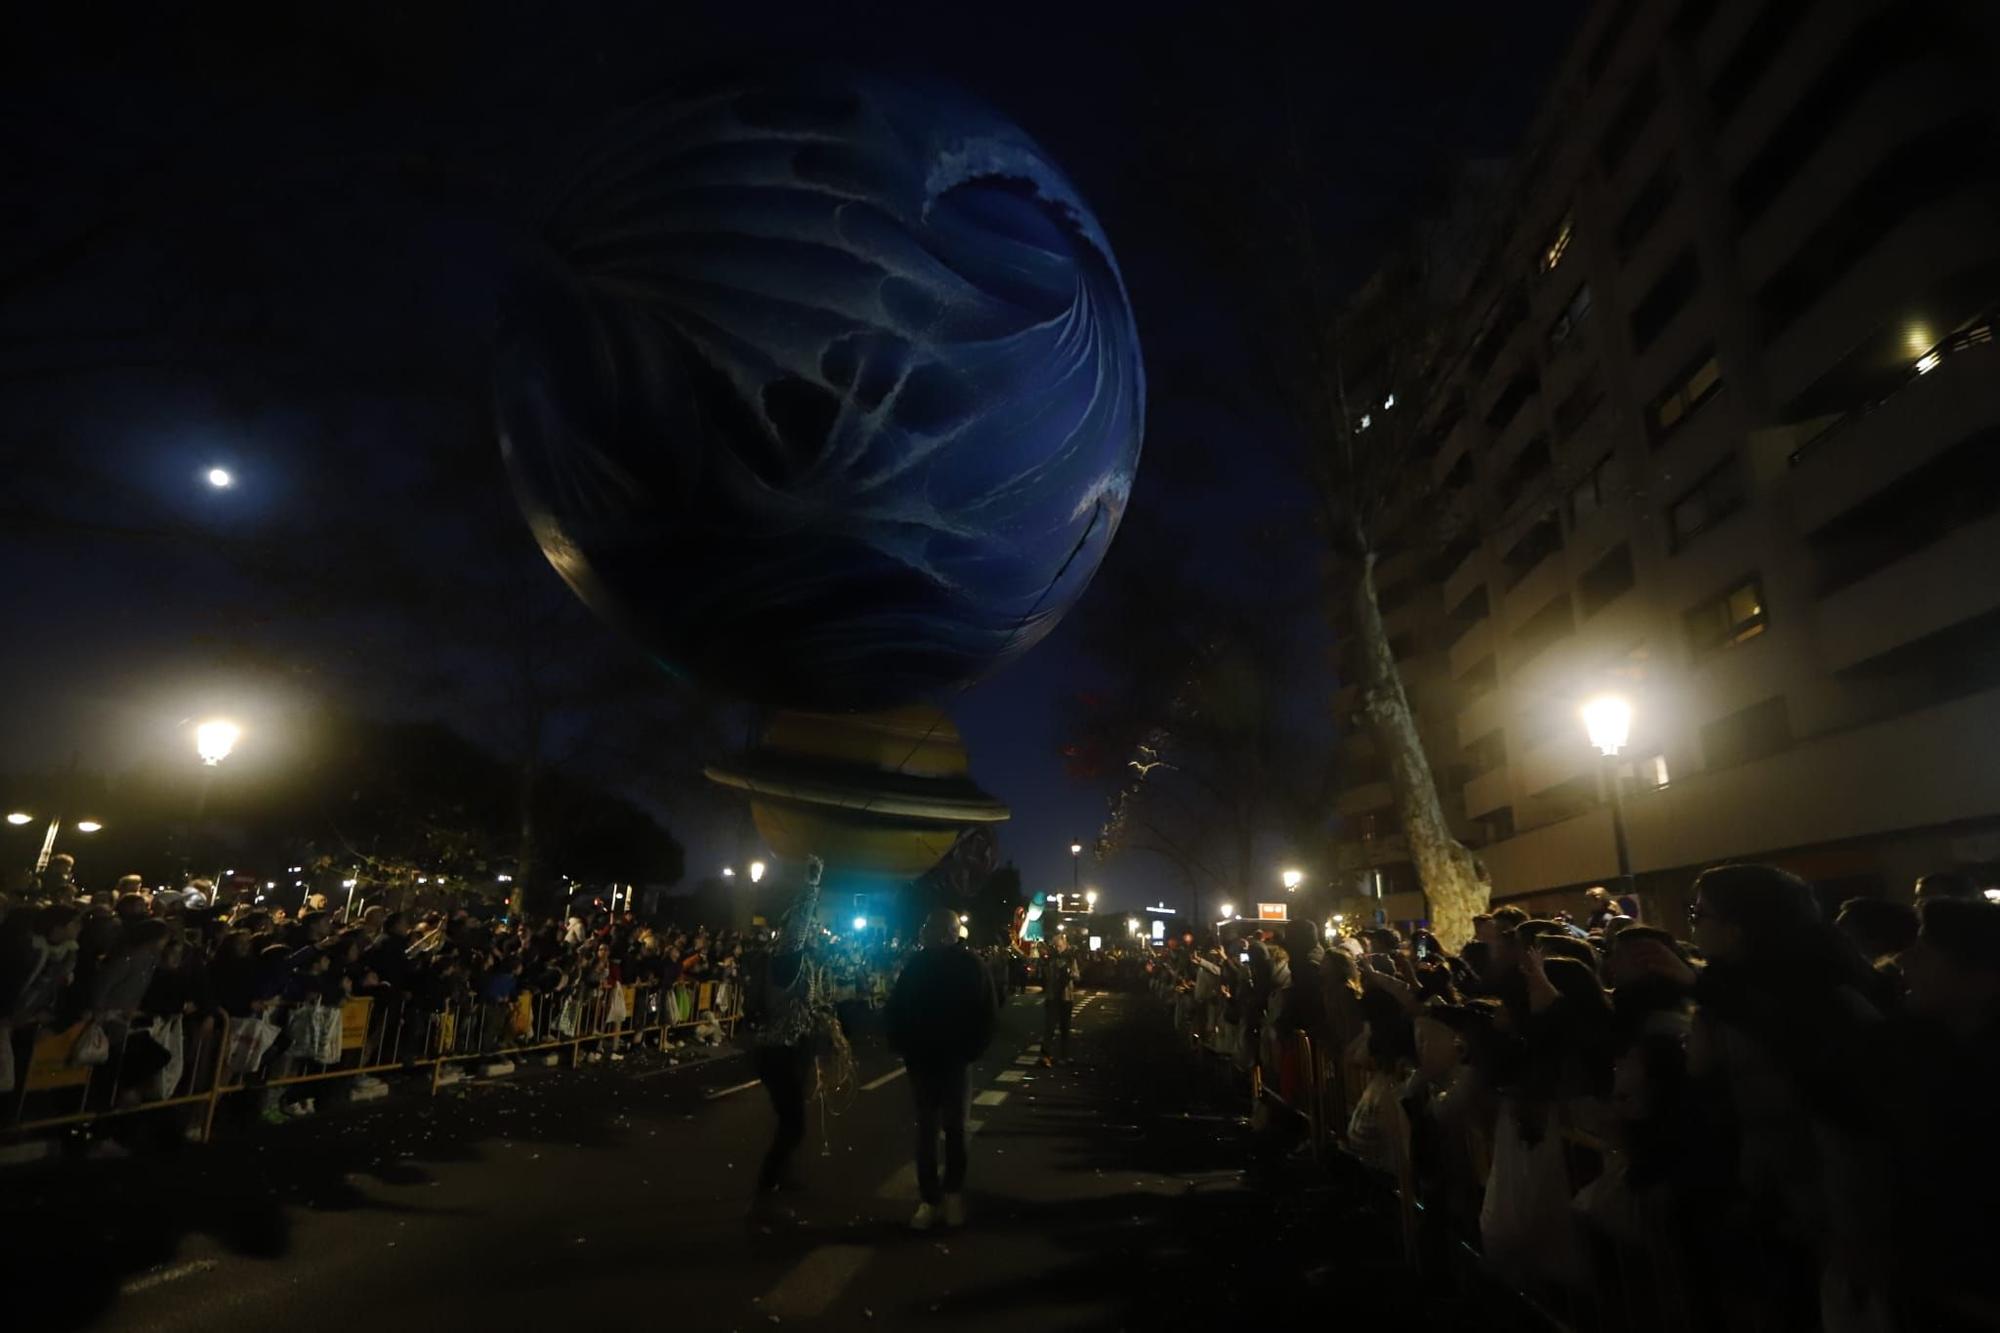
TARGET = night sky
(271,245)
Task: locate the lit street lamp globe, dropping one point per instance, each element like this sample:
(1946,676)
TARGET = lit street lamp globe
(1607,720)
(1292,879)
(220,478)
(18,817)
(214,739)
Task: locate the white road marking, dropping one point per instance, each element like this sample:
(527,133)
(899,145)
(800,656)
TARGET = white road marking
(1011,1075)
(886,1079)
(159,1277)
(989,1099)
(816,1281)
(716,1094)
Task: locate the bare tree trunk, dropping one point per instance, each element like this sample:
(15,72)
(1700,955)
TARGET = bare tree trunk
(1453,880)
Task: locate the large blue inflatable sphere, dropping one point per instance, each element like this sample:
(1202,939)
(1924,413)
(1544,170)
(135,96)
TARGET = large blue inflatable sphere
(828,392)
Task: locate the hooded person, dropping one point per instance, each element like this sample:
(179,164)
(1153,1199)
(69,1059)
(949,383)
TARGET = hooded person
(940,1019)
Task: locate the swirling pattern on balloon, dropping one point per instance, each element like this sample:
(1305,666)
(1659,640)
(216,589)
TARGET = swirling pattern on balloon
(829,392)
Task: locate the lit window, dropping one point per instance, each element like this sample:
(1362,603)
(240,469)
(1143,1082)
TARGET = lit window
(1687,391)
(1733,617)
(1928,362)
(1366,421)
(1657,770)
(1388,402)
(1559,244)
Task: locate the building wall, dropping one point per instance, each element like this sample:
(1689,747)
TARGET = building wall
(1787,376)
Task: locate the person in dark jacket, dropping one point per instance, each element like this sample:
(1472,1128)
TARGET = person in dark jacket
(1058,991)
(940,1019)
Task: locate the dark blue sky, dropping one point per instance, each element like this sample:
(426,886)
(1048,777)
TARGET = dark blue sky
(340,184)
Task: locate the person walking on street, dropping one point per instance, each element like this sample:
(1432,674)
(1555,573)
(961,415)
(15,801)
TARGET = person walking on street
(790,1014)
(940,1019)
(1058,987)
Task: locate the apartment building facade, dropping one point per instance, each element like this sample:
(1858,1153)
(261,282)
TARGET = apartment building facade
(1728,409)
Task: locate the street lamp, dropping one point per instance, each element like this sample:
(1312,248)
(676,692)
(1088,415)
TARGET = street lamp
(1292,879)
(1228,911)
(1075,861)
(756,871)
(19,817)
(729,872)
(1607,720)
(1090,898)
(87,826)
(215,738)
(220,478)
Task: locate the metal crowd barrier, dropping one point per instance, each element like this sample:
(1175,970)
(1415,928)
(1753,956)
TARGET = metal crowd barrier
(395,1036)
(1629,1286)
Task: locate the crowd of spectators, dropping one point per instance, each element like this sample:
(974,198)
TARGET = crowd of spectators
(159,985)
(1778,1121)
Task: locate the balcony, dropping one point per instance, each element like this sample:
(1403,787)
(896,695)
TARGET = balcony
(1363,798)
(1488,791)
(1474,644)
(1931,413)
(1934,241)
(1920,594)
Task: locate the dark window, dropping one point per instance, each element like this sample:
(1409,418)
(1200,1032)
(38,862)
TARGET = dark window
(1879,45)
(1927,168)
(1648,203)
(1529,466)
(1591,492)
(1728,618)
(1753,55)
(1692,18)
(1571,319)
(1518,391)
(1546,628)
(1537,544)
(1396,594)
(1709,501)
(1454,553)
(1480,679)
(1579,403)
(1558,246)
(1606,44)
(1488,752)
(1460,475)
(1569,797)
(1508,312)
(1665,298)
(1629,119)
(1497,824)
(1604,581)
(1379,824)
(1759,730)
(1444,424)
(1683,394)
(1958,487)
(1471,609)
(1403,646)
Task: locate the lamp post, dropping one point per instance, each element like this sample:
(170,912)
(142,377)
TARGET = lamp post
(1607,720)
(1291,879)
(1075,864)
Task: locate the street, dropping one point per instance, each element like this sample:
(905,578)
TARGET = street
(1104,1194)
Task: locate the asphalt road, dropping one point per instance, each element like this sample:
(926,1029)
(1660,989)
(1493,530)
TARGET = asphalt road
(1108,1193)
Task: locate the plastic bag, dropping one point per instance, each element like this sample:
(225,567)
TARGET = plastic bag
(617,1010)
(249,1040)
(322,1044)
(298,1029)
(568,1014)
(168,1037)
(1527,1230)
(1371,1132)
(92,1046)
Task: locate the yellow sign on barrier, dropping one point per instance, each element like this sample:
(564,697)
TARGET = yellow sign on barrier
(704,997)
(49,1066)
(524,1013)
(354,1022)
